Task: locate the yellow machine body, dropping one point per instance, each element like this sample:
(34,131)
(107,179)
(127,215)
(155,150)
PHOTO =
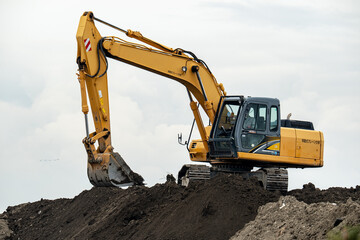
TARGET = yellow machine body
(298,148)
(287,147)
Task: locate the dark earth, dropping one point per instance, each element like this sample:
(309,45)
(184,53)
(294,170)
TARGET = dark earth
(215,209)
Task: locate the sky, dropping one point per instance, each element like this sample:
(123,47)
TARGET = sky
(305,53)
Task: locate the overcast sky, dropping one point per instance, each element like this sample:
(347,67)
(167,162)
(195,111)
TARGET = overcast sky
(306,53)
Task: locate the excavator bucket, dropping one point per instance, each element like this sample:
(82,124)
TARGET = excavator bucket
(111,170)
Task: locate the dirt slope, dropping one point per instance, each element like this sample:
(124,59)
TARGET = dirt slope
(212,210)
(291,219)
(310,194)
(216,209)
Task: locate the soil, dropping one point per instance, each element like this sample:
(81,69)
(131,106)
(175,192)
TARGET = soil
(291,219)
(214,209)
(310,194)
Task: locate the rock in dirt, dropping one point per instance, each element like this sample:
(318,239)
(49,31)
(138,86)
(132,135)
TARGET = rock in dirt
(292,219)
(5,231)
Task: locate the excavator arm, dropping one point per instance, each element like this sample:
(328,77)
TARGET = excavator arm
(106,167)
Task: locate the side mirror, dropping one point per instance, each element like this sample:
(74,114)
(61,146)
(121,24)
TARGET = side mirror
(180,140)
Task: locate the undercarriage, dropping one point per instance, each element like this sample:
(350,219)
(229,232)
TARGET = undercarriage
(272,179)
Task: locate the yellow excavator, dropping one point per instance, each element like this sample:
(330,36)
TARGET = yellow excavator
(243,132)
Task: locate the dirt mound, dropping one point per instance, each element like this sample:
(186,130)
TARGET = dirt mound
(310,194)
(215,209)
(291,219)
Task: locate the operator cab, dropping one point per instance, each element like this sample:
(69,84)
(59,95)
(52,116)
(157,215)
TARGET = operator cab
(245,125)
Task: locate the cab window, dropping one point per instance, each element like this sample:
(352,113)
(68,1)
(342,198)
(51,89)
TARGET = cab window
(255,117)
(227,119)
(253,126)
(274,119)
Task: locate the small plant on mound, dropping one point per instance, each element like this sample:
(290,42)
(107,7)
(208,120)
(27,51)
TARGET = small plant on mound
(346,233)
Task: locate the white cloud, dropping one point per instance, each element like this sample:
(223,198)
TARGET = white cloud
(306,53)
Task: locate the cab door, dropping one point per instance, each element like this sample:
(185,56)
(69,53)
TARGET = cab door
(259,131)
(222,141)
